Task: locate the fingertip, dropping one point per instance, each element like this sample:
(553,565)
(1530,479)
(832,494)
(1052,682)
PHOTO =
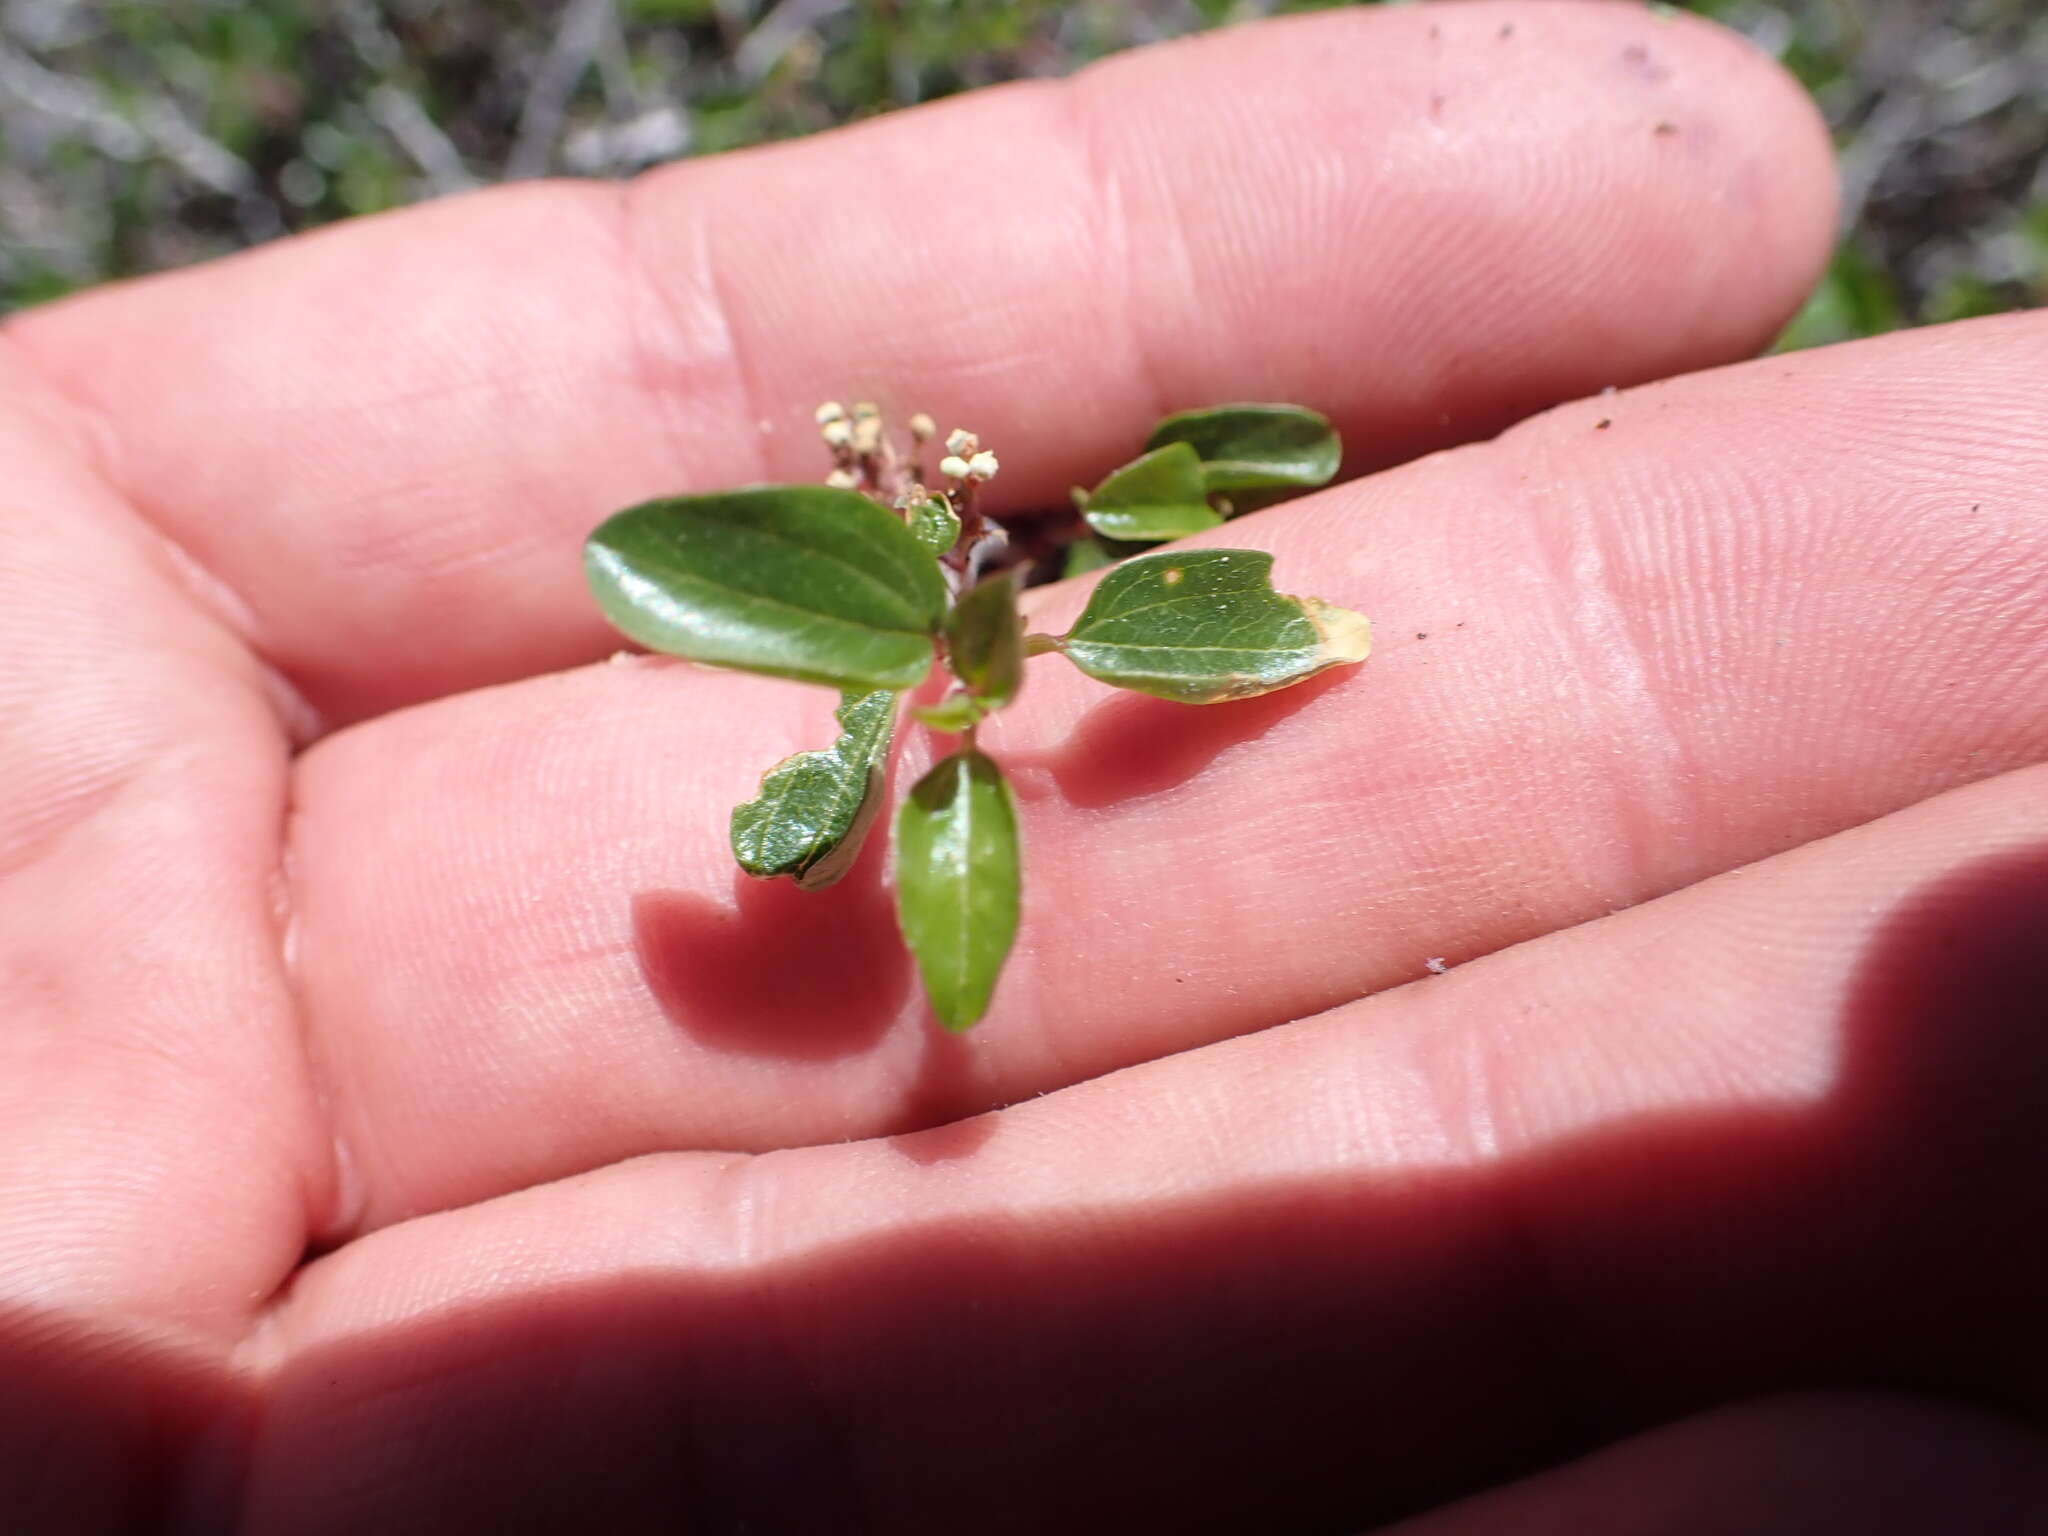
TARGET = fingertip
(1780,185)
(1453,216)
(1722,170)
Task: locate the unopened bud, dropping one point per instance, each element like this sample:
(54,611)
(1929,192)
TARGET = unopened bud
(953,466)
(922,428)
(867,434)
(831,410)
(982,466)
(842,480)
(864,409)
(837,432)
(961,441)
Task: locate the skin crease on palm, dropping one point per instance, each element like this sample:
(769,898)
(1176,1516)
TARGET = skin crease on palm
(415,1124)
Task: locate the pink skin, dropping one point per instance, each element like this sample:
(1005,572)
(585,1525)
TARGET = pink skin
(468,992)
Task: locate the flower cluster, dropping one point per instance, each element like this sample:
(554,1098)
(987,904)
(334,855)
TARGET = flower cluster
(865,459)
(966,459)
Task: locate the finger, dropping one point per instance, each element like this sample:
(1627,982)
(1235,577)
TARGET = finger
(1758,606)
(1813,1465)
(1774,1131)
(391,439)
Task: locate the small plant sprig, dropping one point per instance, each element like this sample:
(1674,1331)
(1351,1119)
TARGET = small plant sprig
(862,583)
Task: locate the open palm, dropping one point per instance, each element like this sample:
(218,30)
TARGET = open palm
(413,1122)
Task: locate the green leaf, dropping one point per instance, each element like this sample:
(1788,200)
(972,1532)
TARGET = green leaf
(958,886)
(1085,555)
(1252,447)
(814,809)
(935,525)
(985,640)
(801,581)
(1156,497)
(952,714)
(1204,625)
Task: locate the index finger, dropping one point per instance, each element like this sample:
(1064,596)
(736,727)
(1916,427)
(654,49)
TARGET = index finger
(389,439)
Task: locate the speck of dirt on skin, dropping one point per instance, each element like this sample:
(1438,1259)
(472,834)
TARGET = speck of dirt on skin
(1603,423)
(1665,130)
(1507,29)
(1422,634)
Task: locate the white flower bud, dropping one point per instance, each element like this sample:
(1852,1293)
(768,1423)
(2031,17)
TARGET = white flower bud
(953,466)
(831,410)
(842,480)
(865,409)
(982,466)
(961,441)
(867,434)
(922,428)
(837,432)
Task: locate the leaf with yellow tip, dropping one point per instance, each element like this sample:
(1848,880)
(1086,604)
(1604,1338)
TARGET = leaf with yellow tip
(1201,626)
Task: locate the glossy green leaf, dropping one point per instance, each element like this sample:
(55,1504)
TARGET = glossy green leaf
(935,525)
(958,886)
(1204,625)
(800,581)
(1253,447)
(1153,498)
(815,808)
(985,640)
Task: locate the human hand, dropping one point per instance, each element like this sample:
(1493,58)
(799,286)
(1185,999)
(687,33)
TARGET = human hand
(414,1124)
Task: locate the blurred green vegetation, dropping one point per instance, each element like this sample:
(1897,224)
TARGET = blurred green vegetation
(142,134)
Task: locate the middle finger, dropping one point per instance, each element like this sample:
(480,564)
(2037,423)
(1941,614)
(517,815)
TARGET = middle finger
(1641,640)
